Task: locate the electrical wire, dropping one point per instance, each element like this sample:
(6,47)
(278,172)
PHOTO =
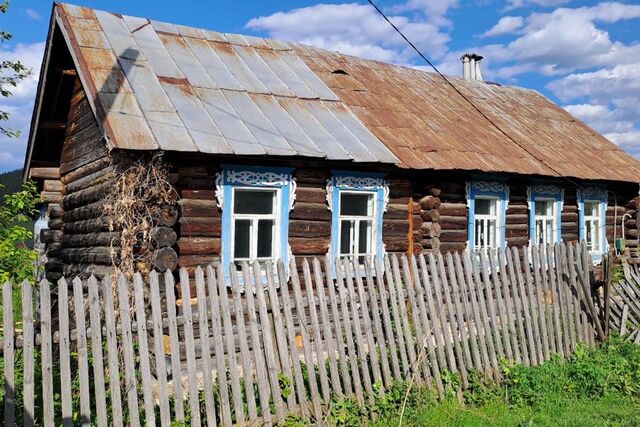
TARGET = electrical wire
(475,107)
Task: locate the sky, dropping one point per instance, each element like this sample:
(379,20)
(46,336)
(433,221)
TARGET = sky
(583,55)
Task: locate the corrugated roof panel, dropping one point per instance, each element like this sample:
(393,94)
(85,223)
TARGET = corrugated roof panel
(269,138)
(323,139)
(204,132)
(213,64)
(238,68)
(146,86)
(288,77)
(186,61)
(169,131)
(258,67)
(159,58)
(229,122)
(299,142)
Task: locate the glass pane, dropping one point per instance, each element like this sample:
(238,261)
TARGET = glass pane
(253,201)
(242,238)
(265,238)
(485,207)
(356,204)
(491,232)
(345,237)
(591,208)
(364,237)
(544,207)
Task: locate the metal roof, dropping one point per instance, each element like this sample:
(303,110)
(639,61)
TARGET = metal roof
(156,85)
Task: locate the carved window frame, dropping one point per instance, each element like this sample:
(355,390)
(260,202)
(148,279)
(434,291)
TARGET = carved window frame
(485,189)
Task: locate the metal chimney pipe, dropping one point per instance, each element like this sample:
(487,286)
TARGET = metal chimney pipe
(466,67)
(471,66)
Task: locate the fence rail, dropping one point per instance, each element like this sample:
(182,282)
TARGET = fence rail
(124,352)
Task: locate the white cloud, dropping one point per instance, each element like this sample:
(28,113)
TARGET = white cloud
(515,4)
(619,81)
(20,103)
(506,25)
(357,29)
(33,14)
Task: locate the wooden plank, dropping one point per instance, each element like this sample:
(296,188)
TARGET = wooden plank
(539,286)
(65,356)
(267,340)
(264,389)
(329,339)
(315,331)
(386,318)
(291,338)
(427,325)
(306,345)
(528,292)
(583,269)
(623,320)
(218,345)
(176,365)
(446,291)
(397,321)
(245,354)
(402,305)
(357,329)
(460,314)
(594,314)
(529,349)
(462,297)
(46,336)
(205,345)
(553,297)
(561,287)
(158,349)
(95,316)
(28,379)
(366,321)
(574,295)
(481,264)
(505,310)
(9,354)
(83,357)
(143,351)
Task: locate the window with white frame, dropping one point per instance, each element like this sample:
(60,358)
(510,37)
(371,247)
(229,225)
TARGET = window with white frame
(592,205)
(357,202)
(545,209)
(255,204)
(487,202)
(544,222)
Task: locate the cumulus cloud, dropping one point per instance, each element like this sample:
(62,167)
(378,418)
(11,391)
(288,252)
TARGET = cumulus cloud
(20,103)
(506,25)
(515,4)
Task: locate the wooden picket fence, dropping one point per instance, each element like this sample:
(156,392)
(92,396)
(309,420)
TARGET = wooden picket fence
(623,305)
(115,353)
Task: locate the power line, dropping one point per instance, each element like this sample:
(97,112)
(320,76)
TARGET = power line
(475,107)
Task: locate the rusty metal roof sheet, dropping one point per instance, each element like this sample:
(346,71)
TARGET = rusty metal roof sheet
(156,85)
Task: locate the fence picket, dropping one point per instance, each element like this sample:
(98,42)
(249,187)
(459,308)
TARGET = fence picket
(46,348)
(404,319)
(205,348)
(83,357)
(65,354)
(95,316)
(9,355)
(562,300)
(574,296)
(192,379)
(218,344)
(394,300)
(522,316)
(537,293)
(480,265)
(176,369)
(461,316)
(555,300)
(527,291)
(28,380)
(384,305)
(158,348)
(505,308)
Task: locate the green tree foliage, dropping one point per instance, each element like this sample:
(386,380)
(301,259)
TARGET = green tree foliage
(11,72)
(16,258)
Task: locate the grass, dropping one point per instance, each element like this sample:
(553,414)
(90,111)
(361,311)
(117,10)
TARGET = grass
(611,410)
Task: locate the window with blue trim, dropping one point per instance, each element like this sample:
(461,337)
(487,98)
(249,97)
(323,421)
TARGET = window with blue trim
(487,202)
(592,205)
(545,213)
(255,203)
(357,202)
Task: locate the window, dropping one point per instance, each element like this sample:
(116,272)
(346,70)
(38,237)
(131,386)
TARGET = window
(592,203)
(486,223)
(487,202)
(356,224)
(357,202)
(545,208)
(255,204)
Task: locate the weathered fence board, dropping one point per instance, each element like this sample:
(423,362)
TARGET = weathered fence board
(274,339)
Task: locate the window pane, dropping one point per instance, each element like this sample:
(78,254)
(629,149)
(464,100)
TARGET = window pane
(265,238)
(364,237)
(356,204)
(253,201)
(591,208)
(485,207)
(242,236)
(345,237)
(544,207)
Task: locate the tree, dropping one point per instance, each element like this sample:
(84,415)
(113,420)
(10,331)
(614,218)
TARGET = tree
(16,258)
(11,73)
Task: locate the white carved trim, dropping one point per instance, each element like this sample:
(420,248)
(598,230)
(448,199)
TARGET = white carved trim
(219,190)
(386,192)
(292,193)
(359,182)
(467,194)
(254,178)
(329,194)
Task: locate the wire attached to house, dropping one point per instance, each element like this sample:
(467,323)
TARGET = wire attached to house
(475,107)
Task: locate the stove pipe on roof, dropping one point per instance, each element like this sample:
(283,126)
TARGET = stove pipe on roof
(471,66)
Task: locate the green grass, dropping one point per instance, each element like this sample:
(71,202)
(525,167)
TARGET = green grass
(611,410)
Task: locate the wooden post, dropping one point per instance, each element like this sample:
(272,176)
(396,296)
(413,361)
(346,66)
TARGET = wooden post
(608,264)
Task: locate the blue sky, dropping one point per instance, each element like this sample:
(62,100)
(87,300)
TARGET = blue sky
(583,55)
